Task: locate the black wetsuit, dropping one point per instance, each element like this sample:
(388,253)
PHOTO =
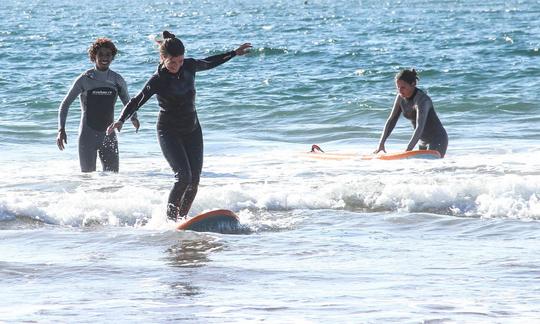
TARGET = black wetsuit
(429,132)
(179,132)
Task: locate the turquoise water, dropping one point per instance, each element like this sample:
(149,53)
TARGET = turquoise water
(405,241)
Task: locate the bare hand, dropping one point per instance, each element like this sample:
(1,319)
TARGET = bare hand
(243,49)
(136,123)
(116,125)
(61,138)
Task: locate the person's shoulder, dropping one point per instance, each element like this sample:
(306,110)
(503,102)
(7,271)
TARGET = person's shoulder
(89,73)
(422,97)
(157,75)
(156,79)
(115,74)
(399,99)
(82,77)
(116,77)
(85,74)
(190,62)
(422,93)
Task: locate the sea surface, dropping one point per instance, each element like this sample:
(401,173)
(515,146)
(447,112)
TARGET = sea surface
(354,241)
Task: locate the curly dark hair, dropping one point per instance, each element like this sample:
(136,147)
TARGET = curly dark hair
(99,43)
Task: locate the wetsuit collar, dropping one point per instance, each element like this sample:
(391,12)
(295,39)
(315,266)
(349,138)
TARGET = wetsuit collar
(414,94)
(163,71)
(93,73)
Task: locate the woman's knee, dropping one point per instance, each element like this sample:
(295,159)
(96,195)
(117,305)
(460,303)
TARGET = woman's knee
(183,176)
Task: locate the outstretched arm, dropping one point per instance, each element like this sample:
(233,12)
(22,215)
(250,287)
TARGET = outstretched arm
(213,61)
(389,125)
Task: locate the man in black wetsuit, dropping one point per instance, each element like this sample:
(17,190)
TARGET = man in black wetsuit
(179,131)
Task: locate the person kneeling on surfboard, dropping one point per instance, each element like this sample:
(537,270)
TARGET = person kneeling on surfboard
(178,128)
(416,106)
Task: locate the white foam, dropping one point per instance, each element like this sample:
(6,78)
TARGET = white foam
(501,184)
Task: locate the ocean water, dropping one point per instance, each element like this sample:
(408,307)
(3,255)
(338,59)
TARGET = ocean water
(411,241)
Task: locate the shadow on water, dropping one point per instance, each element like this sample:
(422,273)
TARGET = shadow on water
(185,289)
(192,253)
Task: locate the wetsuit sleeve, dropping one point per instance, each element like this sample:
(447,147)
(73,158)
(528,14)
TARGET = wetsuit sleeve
(140,99)
(422,112)
(213,61)
(123,92)
(391,121)
(76,89)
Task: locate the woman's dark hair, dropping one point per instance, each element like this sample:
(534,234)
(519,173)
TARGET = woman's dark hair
(409,76)
(101,43)
(171,46)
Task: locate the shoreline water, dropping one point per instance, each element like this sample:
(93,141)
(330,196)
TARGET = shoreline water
(439,241)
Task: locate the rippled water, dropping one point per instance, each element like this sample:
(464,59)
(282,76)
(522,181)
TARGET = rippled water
(331,241)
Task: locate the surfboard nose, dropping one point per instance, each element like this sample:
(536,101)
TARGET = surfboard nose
(218,221)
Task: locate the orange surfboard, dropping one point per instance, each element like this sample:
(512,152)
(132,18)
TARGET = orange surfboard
(332,156)
(419,154)
(317,153)
(219,221)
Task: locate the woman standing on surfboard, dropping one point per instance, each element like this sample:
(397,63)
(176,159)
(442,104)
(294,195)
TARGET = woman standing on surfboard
(178,128)
(416,106)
